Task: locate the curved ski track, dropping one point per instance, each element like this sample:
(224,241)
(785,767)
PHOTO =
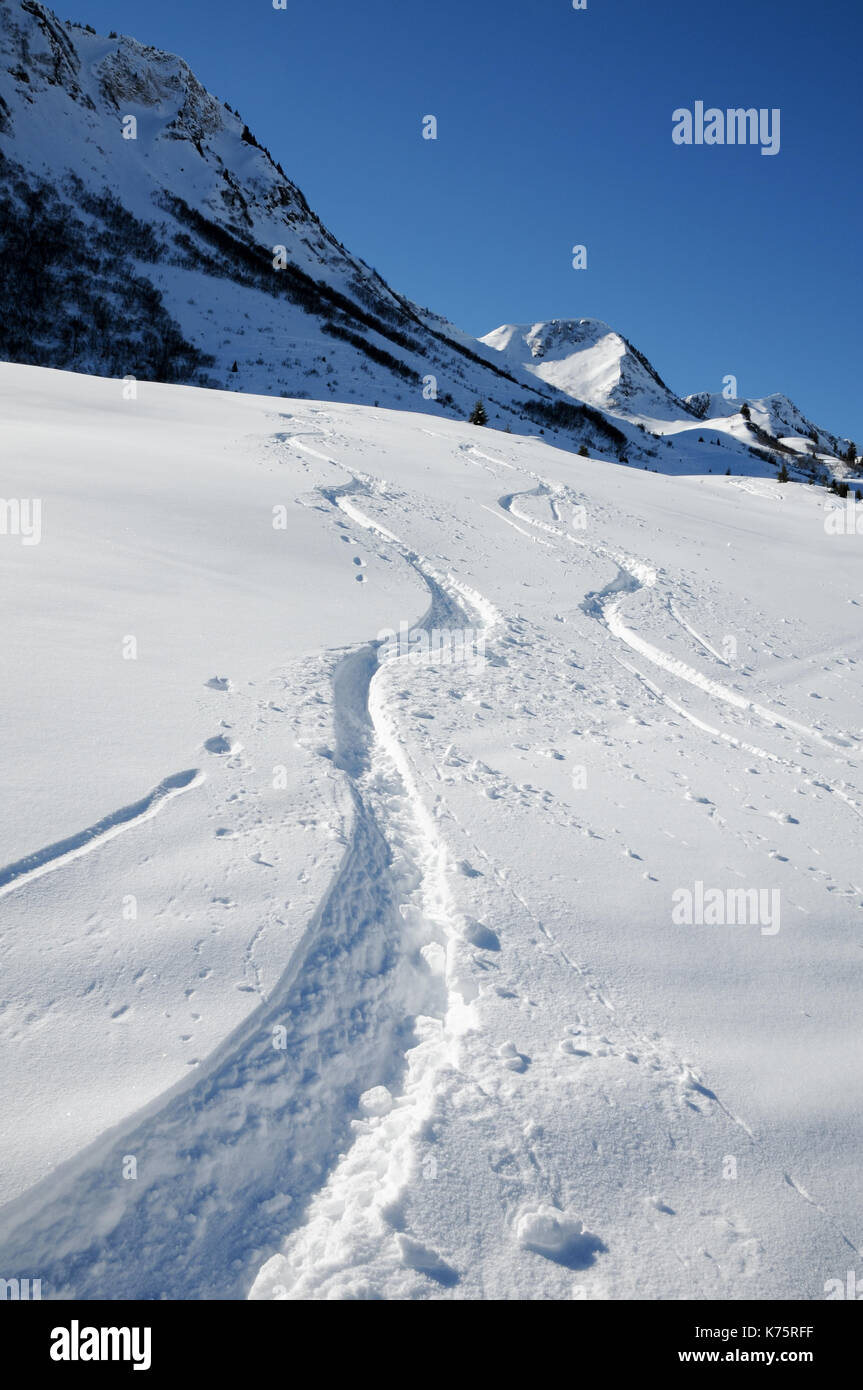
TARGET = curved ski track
(230,1164)
(226,1164)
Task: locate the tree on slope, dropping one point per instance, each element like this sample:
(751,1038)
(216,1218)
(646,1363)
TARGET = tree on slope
(479,414)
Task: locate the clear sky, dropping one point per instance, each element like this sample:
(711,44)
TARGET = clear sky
(554,129)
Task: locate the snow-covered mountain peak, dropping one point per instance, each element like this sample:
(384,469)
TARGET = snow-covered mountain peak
(588,360)
(48,53)
(774,417)
(134,73)
(553,339)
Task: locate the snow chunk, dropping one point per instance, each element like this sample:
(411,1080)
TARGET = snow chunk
(556,1234)
(377,1101)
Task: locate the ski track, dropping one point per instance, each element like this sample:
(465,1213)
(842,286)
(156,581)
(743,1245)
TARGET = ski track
(355,1214)
(63,852)
(634,576)
(702,641)
(263,1150)
(352,1217)
(239,1152)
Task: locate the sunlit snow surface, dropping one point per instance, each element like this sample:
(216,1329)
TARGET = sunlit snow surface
(364,951)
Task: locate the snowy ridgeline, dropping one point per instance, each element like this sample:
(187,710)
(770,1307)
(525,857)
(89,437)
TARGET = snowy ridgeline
(158,239)
(429,864)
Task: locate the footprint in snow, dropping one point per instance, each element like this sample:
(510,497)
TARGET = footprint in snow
(658,1204)
(221,745)
(481,936)
(426,1261)
(219,683)
(468,870)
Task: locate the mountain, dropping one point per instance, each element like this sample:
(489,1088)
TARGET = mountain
(775,416)
(587,359)
(145,232)
(419,841)
(157,238)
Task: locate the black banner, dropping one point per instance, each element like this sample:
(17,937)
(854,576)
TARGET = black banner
(158,1339)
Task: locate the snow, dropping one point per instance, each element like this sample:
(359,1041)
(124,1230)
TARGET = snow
(588,360)
(364,952)
(188,145)
(555,1234)
(245,289)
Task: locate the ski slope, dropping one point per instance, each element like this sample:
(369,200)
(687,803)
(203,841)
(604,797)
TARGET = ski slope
(354,761)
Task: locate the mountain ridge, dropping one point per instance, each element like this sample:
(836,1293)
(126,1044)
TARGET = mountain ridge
(156,237)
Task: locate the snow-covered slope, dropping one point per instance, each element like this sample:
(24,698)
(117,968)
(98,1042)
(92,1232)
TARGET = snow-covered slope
(356,763)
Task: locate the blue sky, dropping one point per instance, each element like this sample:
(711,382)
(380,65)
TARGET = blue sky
(555,129)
